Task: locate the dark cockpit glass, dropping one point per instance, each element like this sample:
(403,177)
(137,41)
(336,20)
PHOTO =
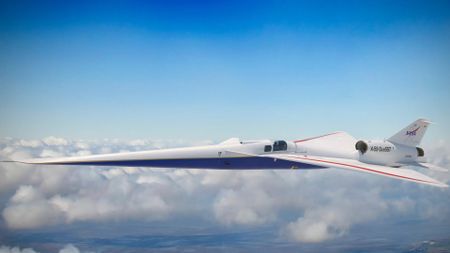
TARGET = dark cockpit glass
(267,148)
(279,146)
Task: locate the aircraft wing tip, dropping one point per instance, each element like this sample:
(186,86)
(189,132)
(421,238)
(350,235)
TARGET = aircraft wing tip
(442,185)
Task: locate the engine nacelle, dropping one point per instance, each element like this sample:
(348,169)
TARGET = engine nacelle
(387,153)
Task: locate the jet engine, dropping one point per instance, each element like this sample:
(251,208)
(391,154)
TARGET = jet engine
(387,153)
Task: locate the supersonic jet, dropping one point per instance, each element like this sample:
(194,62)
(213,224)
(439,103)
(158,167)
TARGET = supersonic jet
(334,150)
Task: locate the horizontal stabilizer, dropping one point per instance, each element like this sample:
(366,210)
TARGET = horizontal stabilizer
(432,167)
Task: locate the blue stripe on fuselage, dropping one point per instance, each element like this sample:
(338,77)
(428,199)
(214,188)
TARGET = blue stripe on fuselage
(206,163)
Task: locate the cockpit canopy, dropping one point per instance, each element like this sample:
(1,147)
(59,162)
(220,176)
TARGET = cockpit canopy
(277,146)
(280,146)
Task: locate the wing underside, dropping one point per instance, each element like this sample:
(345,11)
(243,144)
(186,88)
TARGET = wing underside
(229,160)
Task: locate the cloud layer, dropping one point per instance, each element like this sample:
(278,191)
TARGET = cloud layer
(69,248)
(307,206)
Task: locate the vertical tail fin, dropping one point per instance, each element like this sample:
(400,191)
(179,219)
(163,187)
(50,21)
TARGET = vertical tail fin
(412,134)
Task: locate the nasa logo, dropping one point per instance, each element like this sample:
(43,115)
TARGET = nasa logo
(413,132)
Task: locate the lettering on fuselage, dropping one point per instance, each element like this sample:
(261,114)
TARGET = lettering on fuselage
(380,149)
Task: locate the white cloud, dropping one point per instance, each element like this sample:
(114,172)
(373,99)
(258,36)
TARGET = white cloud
(28,208)
(30,143)
(6,249)
(50,153)
(304,230)
(54,141)
(25,193)
(69,248)
(334,218)
(308,206)
(231,207)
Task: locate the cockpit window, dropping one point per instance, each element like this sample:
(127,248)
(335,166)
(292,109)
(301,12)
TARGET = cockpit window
(279,146)
(267,148)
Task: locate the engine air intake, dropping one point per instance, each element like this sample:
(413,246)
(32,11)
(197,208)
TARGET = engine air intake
(361,146)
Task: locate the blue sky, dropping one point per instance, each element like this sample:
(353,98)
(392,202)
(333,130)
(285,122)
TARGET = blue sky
(213,70)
